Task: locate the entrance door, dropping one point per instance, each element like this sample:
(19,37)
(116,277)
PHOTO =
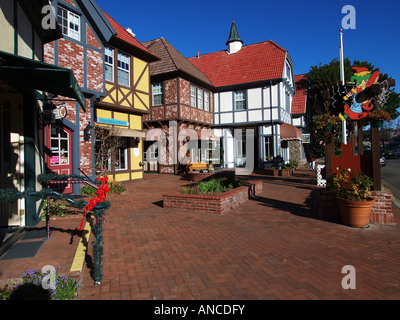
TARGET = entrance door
(150,156)
(9,159)
(59,154)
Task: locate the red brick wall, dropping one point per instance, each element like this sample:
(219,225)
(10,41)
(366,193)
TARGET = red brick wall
(71,55)
(381,212)
(91,38)
(217,204)
(94,70)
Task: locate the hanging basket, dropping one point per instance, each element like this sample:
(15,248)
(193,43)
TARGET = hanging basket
(355,213)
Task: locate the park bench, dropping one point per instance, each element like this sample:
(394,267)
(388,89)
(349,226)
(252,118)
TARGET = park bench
(197,166)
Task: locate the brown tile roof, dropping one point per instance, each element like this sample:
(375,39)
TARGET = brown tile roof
(172,60)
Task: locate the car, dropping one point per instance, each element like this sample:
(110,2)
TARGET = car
(382,160)
(392,150)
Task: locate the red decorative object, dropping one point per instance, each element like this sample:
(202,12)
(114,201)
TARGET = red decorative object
(348,160)
(363,79)
(100,196)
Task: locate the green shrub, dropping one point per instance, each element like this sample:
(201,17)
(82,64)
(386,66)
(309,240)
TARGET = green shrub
(56,209)
(115,188)
(213,186)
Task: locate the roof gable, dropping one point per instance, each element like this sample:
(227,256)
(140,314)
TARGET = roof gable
(172,61)
(124,37)
(254,62)
(300,98)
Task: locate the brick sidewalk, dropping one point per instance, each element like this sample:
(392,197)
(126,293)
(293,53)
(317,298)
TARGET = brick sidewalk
(273,247)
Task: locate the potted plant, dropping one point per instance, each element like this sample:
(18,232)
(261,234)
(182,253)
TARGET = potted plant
(352,190)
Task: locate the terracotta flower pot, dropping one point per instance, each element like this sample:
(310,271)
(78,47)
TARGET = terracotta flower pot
(355,213)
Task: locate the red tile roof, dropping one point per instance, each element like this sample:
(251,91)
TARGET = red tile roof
(124,35)
(254,62)
(300,98)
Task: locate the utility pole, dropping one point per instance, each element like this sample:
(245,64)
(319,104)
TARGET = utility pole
(344,128)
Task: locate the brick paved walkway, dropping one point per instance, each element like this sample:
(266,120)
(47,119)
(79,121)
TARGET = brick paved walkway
(273,247)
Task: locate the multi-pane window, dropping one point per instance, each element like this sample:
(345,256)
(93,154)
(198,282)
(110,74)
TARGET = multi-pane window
(123,69)
(70,23)
(192,95)
(109,63)
(157,94)
(206,101)
(59,146)
(240,100)
(200,98)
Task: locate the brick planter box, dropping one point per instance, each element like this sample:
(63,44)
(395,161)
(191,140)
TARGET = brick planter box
(381,212)
(196,176)
(279,172)
(216,204)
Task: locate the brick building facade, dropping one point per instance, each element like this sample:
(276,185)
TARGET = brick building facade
(68,142)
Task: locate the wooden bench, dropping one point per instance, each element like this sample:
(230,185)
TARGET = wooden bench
(195,166)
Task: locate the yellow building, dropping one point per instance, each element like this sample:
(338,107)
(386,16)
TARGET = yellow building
(127,75)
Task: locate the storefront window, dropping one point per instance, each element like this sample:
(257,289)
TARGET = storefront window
(59,146)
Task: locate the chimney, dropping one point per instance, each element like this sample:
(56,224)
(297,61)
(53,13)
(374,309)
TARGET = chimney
(129,30)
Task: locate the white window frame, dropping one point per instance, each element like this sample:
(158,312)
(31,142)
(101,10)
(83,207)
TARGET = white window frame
(157,92)
(206,101)
(69,23)
(123,68)
(199,98)
(193,95)
(109,53)
(240,98)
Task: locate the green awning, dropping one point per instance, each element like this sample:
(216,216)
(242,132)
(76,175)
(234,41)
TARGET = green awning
(26,74)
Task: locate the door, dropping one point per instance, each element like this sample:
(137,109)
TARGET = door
(150,156)
(59,154)
(9,159)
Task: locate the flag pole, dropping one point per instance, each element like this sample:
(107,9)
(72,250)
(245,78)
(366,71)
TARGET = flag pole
(344,128)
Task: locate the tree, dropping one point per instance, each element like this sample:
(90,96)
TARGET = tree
(328,74)
(107,143)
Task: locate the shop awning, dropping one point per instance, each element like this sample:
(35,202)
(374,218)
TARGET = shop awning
(122,132)
(289,132)
(25,74)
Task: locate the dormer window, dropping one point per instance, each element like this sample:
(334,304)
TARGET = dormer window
(70,23)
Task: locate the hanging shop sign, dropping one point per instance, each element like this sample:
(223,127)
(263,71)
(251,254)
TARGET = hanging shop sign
(114,122)
(60,112)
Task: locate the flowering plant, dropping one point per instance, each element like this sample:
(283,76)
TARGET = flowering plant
(350,185)
(326,120)
(32,288)
(378,114)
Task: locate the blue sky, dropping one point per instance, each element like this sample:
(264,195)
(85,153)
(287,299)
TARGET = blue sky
(308,29)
